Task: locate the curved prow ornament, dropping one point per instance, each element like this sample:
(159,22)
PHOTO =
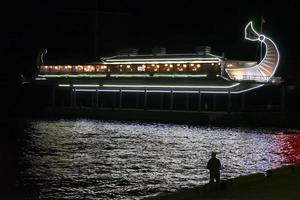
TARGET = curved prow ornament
(262,71)
(40,57)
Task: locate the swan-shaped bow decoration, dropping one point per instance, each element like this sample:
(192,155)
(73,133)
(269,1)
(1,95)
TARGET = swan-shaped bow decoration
(266,68)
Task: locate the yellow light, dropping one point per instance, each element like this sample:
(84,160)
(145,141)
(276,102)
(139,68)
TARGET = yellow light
(157,66)
(128,66)
(184,65)
(152,65)
(171,65)
(166,65)
(198,65)
(178,64)
(192,64)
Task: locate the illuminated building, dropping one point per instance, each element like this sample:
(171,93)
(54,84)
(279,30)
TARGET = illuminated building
(190,72)
(200,72)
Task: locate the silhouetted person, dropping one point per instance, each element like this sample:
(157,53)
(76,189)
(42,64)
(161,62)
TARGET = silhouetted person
(214,166)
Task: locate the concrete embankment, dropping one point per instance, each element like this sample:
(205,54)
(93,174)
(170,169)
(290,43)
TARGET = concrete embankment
(281,183)
(268,119)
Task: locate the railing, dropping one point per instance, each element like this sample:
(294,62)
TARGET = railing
(261,79)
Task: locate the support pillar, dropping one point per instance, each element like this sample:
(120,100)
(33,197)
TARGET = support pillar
(53,96)
(199,100)
(97,98)
(282,98)
(145,99)
(243,98)
(137,100)
(92,99)
(120,99)
(229,102)
(171,100)
(114,100)
(187,101)
(71,96)
(214,102)
(161,101)
(102,100)
(75,97)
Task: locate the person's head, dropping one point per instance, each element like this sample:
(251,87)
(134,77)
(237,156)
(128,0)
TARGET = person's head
(213,154)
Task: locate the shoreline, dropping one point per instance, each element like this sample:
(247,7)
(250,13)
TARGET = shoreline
(279,183)
(224,119)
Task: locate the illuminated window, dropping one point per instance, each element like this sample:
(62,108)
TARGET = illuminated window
(55,68)
(78,68)
(43,69)
(126,68)
(152,68)
(66,69)
(113,68)
(141,68)
(101,68)
(89,68)
(180,68)
(166,68)
(194,67)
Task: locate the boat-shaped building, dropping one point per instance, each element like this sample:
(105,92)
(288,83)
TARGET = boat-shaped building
(198,72)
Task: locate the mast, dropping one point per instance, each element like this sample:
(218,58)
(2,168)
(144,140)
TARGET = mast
(261,32)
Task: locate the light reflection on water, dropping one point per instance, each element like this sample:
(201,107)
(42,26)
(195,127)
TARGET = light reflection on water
(90,159)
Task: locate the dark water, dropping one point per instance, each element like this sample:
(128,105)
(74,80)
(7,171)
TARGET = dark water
(90,159)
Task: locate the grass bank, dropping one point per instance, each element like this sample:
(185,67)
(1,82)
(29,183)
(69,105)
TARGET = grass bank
(281,183)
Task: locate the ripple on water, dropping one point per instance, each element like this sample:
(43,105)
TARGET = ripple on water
(90,159)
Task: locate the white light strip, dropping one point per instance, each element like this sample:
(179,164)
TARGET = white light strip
(158,91)
(64,85)
(256,70)
(232,92)
(215,92)
(132,90)
(185,91)
(129,75)
(108,90)
(246,90)
(119,75)
(252,29)
(79,85)
(180,75)
(159,62)
(168,91)
(84,90)
(71,75)
(160,59)
(40,79)
(171,86)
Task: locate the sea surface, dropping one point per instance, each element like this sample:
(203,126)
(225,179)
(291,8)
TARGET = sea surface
(93,159)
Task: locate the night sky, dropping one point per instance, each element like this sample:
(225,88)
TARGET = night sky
(71,30)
